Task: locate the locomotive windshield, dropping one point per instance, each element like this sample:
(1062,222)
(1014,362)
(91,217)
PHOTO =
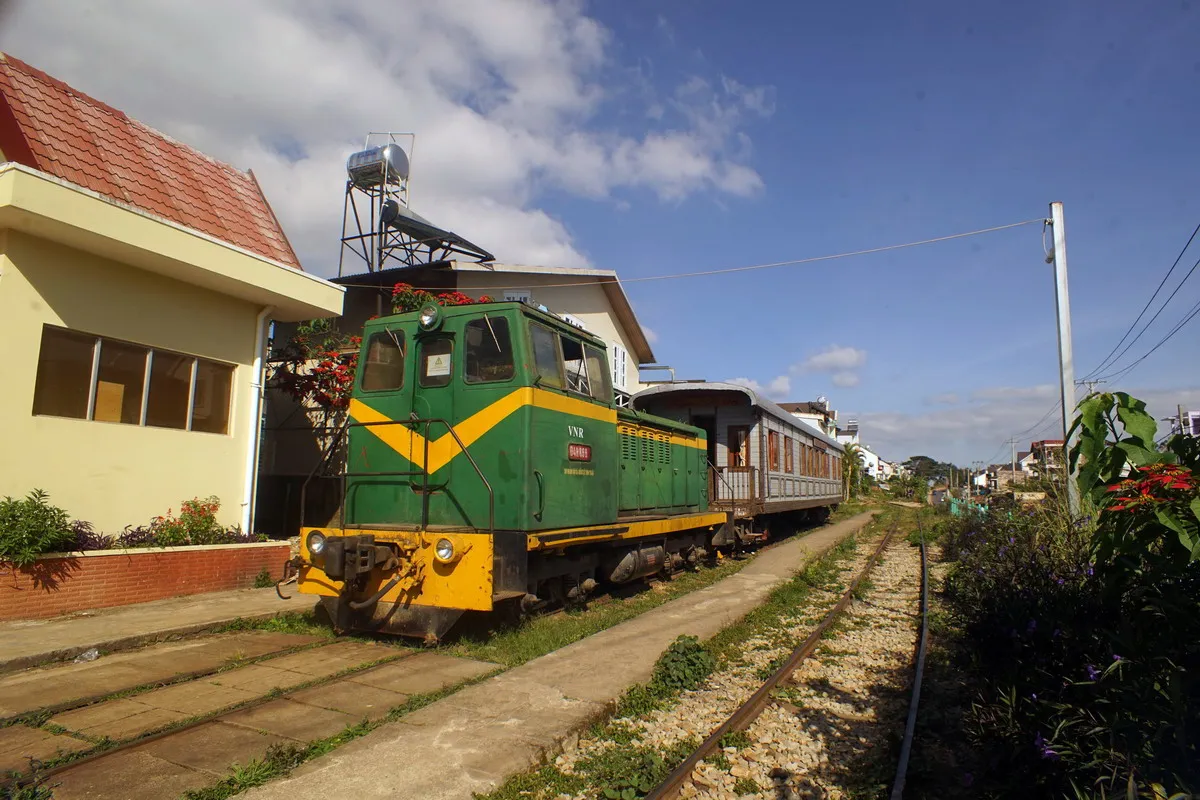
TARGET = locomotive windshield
(384,369)
(489,355)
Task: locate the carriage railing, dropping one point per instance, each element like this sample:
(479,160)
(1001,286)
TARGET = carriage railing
(426,489)
(734,489)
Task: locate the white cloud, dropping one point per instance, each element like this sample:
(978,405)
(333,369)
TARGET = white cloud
(778,388)
(945,399)
(834,359)
(845,379)
(651,336)
(508,98)
(979,430)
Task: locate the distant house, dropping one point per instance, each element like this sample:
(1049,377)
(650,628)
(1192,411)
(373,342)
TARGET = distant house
(137,280)
(816,413)
(1047,454)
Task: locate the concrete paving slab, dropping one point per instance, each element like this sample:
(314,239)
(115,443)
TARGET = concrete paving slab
(127,775)
(38,641)
(351,698)
(118,719)
(258,678)
(212,747)
(292,720)
(195,698)
(471,741)
(422,673)
(65,684)
(334,658)
(18,744)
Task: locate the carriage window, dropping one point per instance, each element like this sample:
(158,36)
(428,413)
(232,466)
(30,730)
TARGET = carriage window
(436,355)
(787,455)
(599,375)
(773,450)
(488,356)
(384,369)
(545,356)
(577,377)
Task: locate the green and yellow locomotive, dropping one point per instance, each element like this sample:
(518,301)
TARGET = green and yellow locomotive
(488,468)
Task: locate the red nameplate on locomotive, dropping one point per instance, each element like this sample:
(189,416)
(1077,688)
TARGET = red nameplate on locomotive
(579,452)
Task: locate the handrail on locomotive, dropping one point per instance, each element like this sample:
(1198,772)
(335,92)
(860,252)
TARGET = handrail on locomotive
(425,492)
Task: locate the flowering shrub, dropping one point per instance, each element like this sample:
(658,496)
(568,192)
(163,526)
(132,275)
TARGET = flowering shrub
(196,524)
(407,298)
(317,365)
(1083,635)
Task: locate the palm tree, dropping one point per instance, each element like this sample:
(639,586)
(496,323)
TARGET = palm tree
(851,470)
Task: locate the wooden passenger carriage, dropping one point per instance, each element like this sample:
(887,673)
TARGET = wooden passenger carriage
(767,466)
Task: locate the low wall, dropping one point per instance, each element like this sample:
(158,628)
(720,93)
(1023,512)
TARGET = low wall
(66,582)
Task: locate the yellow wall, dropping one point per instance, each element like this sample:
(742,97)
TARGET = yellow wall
(587,302)
(111,474)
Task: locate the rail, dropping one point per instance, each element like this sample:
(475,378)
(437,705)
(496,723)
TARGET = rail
(910,725)
(749,711)
(425,491)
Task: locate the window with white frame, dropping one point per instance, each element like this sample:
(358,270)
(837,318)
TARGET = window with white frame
(620,367)
(105,380)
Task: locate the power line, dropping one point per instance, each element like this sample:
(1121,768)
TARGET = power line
(1108,360)
(1192,312)
(728,270)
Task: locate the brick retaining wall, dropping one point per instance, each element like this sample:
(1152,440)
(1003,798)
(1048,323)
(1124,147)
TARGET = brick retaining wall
(62,584)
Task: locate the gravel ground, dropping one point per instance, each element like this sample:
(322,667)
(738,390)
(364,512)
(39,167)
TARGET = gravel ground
(839,705)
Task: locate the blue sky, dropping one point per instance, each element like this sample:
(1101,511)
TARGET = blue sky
(666,137)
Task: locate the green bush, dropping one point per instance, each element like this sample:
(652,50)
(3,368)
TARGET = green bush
(684,665)
(31,527)
(1083,634)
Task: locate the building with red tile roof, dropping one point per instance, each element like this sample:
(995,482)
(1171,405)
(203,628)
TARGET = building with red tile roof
(138,277)
(50,127)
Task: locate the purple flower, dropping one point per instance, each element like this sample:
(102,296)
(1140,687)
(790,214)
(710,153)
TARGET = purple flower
(1044,748)
(1059,581)
(1033,696)
(1011,540)
(1056,633)
(1116,657)
(1089,569)
(1092,673)
(1032,626)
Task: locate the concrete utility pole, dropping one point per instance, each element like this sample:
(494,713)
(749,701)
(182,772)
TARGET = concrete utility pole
(1066,362)
(1180,410)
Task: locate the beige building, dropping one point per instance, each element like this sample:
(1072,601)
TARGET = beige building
(137,281)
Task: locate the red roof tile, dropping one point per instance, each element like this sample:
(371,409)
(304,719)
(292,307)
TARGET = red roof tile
(47,125)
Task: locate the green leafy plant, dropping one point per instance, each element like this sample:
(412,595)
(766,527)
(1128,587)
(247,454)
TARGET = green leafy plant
(31,527)
(263,580)
(684,665)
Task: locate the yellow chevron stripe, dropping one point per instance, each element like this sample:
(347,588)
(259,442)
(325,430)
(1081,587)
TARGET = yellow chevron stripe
(411,445)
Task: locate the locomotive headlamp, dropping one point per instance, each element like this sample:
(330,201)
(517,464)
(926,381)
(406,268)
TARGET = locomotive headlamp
(316,542)
(444,550)
(430,317)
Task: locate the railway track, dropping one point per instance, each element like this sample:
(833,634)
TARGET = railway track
(185,730)
(745,715)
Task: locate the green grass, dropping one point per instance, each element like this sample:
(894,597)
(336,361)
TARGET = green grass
(303,622)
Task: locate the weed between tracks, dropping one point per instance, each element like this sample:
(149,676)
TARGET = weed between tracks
(616,762)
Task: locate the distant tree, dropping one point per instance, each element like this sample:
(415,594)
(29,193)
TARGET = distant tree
(852,470)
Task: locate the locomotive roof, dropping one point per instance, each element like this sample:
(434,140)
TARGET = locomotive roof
(755,400)
(533,311)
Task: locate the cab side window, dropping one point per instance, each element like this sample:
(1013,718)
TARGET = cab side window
(545,355)
(577,374)
(384,370)
(598,375)
(488,355)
